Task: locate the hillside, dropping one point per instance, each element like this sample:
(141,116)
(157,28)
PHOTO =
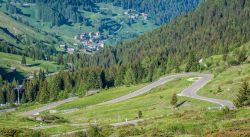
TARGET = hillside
(188,78)
(207,31)
(22,39)
(162,11)
(115,20)
(160,52)
(8,62)
(14,32)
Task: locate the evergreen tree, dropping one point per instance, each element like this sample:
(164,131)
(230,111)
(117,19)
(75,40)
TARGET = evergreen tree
(219,90)
(243,97)
(54,88)
(60,59)
(1,80)
(23,62)
(43,95)
(11,96)
(23,99)
(139,114)
(2,98)
(174,100)
(41,75)
(192,64)
(242,56)
(82,89)
(129,77)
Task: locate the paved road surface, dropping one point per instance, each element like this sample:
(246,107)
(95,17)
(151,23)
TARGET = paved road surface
(131,122)
(196,86)
(189,92)
(49,106)
(147,88)
(7,110)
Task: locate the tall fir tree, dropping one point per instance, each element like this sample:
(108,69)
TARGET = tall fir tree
(192,64)
(129,77)
(2,98)
(174,99)
(23,62)
(43,95)
(243,97)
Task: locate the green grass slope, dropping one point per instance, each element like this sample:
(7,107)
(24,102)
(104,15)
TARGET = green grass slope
(227,77)
(19,30)
(8,61)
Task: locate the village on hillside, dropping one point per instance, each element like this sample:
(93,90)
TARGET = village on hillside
(91,42)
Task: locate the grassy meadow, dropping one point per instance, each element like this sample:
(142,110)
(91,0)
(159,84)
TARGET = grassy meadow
(10,60)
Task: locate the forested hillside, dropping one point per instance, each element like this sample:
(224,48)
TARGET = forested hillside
(161,11)
(19,38)
(216,27)
(62,12)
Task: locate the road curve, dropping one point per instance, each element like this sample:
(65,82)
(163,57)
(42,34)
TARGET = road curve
(47,107)
(197,85)
(188,92)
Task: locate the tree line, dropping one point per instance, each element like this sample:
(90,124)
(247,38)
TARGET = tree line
(162,11)
(62,12)
(214,28)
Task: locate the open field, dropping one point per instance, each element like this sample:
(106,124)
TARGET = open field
(153,104)
(190,119)
(229,81)
(16,28)
(67,32)
(104,95)
(10,60)
(228,78)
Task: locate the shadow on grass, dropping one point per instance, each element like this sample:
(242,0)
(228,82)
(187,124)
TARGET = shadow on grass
(11,75)
(33,65)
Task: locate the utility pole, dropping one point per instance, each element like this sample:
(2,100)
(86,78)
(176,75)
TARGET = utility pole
(18,92)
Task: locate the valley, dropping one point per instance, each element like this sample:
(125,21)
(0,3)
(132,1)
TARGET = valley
(114,68)
(113,24)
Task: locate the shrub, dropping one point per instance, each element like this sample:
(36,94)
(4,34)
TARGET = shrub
(95,131)
(156,132)
(139,114)
(225,110)
(53,119)
(130,131)
(176,128)
(16,132)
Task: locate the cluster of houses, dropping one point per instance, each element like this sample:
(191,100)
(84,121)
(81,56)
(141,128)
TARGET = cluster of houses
(133,14)
(23,4)
(91,41)
(67,49)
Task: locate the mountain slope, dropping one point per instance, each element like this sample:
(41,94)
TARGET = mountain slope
(12,31)
(161,11)
(215,27)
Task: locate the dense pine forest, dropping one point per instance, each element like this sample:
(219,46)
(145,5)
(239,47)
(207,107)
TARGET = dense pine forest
(216,27)
(67,12)
(161,11)
(70,11)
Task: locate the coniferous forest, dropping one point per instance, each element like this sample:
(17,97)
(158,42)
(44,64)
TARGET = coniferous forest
(205,32)
(101,68)
(60,13)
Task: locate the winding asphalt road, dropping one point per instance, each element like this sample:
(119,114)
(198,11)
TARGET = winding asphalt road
(47,107)
(196,86)
(188,92)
